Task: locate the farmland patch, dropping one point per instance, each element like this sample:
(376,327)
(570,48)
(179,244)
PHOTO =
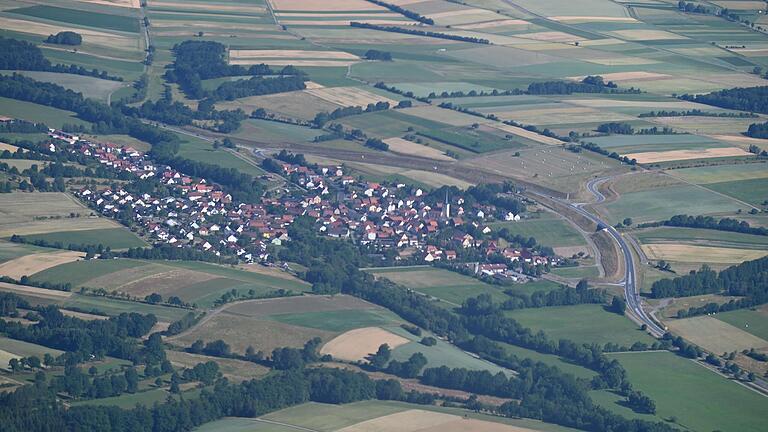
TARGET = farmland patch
(715,335)
(356,344)
(697,254)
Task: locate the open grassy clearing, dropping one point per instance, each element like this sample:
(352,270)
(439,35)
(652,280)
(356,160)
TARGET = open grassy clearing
(115,238)
(684,389)
(445,285)
(715,335)
(663,203)
(296,104)
(80,272)
(722,173)
(338,321)
(128,401)
(752,321)
(581,323)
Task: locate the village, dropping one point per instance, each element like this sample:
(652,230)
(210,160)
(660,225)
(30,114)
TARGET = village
(386,218)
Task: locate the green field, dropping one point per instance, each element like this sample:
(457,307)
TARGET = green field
(203,151)
(753,191)
(441,354)
(9,251)
(548,230)
(445,285)
(79,272)
(722,173)
(115,238)
(753,321)
(580,272)
(81,17)
(550,360)
(663,203)
(52,117)
(698,398)
(116,307)
(338,321)
(582,324)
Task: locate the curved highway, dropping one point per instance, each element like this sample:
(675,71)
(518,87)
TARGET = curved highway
(631,290)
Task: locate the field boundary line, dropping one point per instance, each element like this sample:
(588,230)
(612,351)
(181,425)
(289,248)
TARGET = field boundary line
(272,422)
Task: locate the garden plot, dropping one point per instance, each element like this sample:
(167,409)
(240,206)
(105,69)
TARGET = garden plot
(356,344)
(349,96)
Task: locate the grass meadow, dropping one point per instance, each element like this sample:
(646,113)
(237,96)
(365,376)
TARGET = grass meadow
(582,324)
(115,238)
(698,398)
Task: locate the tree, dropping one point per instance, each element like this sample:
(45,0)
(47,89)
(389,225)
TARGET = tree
(627,222)
(93,371)
(153,298)
(175,384)
(197,347)
(380,359)
(131,380)
(618,305)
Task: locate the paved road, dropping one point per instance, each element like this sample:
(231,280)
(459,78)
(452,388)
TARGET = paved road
(631,290)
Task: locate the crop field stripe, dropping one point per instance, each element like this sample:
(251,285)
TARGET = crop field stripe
(81,17)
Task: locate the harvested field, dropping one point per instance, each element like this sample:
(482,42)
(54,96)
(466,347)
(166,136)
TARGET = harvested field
(10,148)
(166,284)
(349,96)
(44,212)
(699,254)
(429,421)
(714,335)
(36,292)
(403,146)
(356,344)
(550,36)
(35,263)
(325,6)
(434,179)
(628,76)
(290,55)
(132,275)
(673,155)
(89,36)
(618,103)
(297,104)
(297,63)
(133,4)
(646,35)
(492,24)
(589,19)
(524,133)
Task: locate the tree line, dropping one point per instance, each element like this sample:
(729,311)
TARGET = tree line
(65,38)
(758,130)
(709,222)
(752,99)
(405,12)
(416,32)
(697,113)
